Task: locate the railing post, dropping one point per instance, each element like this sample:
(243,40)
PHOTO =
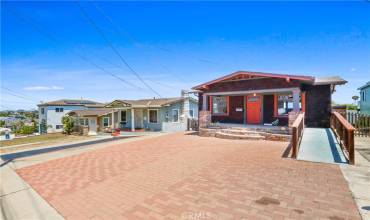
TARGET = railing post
(351,147)
(294,142)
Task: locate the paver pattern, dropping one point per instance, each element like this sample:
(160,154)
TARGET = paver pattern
(181,176)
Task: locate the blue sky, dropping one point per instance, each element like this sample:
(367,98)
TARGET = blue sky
(175,45)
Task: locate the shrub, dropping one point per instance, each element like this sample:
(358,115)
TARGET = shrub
(68,124)
(25,129)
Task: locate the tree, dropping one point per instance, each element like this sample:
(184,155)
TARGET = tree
(355,98)
(43,127)
(68,124)
(2,123)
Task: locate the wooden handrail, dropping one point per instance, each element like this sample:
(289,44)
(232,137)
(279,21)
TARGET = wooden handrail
(345,133)
(297,132)
(344,121)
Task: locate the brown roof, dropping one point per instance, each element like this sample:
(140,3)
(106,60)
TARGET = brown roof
(156,102)
(73,102)
(85,113)
(251,74)
(334,80)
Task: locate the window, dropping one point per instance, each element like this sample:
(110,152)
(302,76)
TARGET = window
(153,116)
(123,116)
(84,121)
(106,121)
(42,111)
(191,113)
(220,105)
(58,126)
(363,96)
(58,109)
(175,115)
(285,104)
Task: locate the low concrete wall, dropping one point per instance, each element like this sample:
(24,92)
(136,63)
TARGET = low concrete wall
(173,127)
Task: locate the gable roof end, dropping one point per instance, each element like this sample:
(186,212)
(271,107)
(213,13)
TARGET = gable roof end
(309,79)
(364,86)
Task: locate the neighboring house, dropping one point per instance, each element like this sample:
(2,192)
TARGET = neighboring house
(365,98)
(52,112)
(257,98)
(157,114)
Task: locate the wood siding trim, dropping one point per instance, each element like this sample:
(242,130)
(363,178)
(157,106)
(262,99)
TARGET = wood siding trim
(303,101)
(275,105)
(246,92)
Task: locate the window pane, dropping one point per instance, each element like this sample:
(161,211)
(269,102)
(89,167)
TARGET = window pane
(191,113)
(106,122)
(153,117)
(175,113)
(123,116)
(219,105)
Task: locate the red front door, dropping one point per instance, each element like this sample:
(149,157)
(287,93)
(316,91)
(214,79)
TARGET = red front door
(253,109)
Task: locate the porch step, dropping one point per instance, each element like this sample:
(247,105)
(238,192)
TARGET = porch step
(273,130)
(250,134)
(239,136)
(239,131)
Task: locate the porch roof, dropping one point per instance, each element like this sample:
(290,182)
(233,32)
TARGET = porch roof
(86,113)
(145,103)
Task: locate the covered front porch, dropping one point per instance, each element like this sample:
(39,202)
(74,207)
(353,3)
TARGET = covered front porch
(254,107)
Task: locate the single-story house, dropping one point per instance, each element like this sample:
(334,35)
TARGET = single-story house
(157,114)
(246,97)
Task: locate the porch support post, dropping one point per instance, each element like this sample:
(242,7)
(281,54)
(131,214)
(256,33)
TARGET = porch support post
(112,124)
(205,102)
(119,119)
(296,100)
(132,120)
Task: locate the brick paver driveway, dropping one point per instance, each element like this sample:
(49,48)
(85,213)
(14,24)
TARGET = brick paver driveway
(181,176)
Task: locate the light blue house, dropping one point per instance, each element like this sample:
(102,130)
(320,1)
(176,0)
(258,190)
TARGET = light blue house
(51,113)
(365,98)
(157,114)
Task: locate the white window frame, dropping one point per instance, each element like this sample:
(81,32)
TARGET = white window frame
(191,110)
(126,116)
(178,115)
(56,126)
(149,116)
(108,121)
(42,110)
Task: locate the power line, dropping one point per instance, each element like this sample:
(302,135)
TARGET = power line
(135,41)
(30,21)
(91,21)
(19,95)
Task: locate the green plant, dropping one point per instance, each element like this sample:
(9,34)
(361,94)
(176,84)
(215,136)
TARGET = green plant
(2,123)
(25,129)
(351,107)
(68,124)
(43,127)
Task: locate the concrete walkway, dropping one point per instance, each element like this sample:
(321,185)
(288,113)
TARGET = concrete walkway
(19,201)
(320,145)
(358,177)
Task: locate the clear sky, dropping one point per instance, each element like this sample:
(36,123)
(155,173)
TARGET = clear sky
(174,46)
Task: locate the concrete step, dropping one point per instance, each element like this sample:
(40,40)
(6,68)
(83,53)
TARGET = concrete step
(274,130)
(239,136)
(240,131)
(251,135)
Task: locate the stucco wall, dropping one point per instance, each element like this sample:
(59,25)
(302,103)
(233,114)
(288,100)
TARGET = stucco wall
(54,118)
(365,105)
